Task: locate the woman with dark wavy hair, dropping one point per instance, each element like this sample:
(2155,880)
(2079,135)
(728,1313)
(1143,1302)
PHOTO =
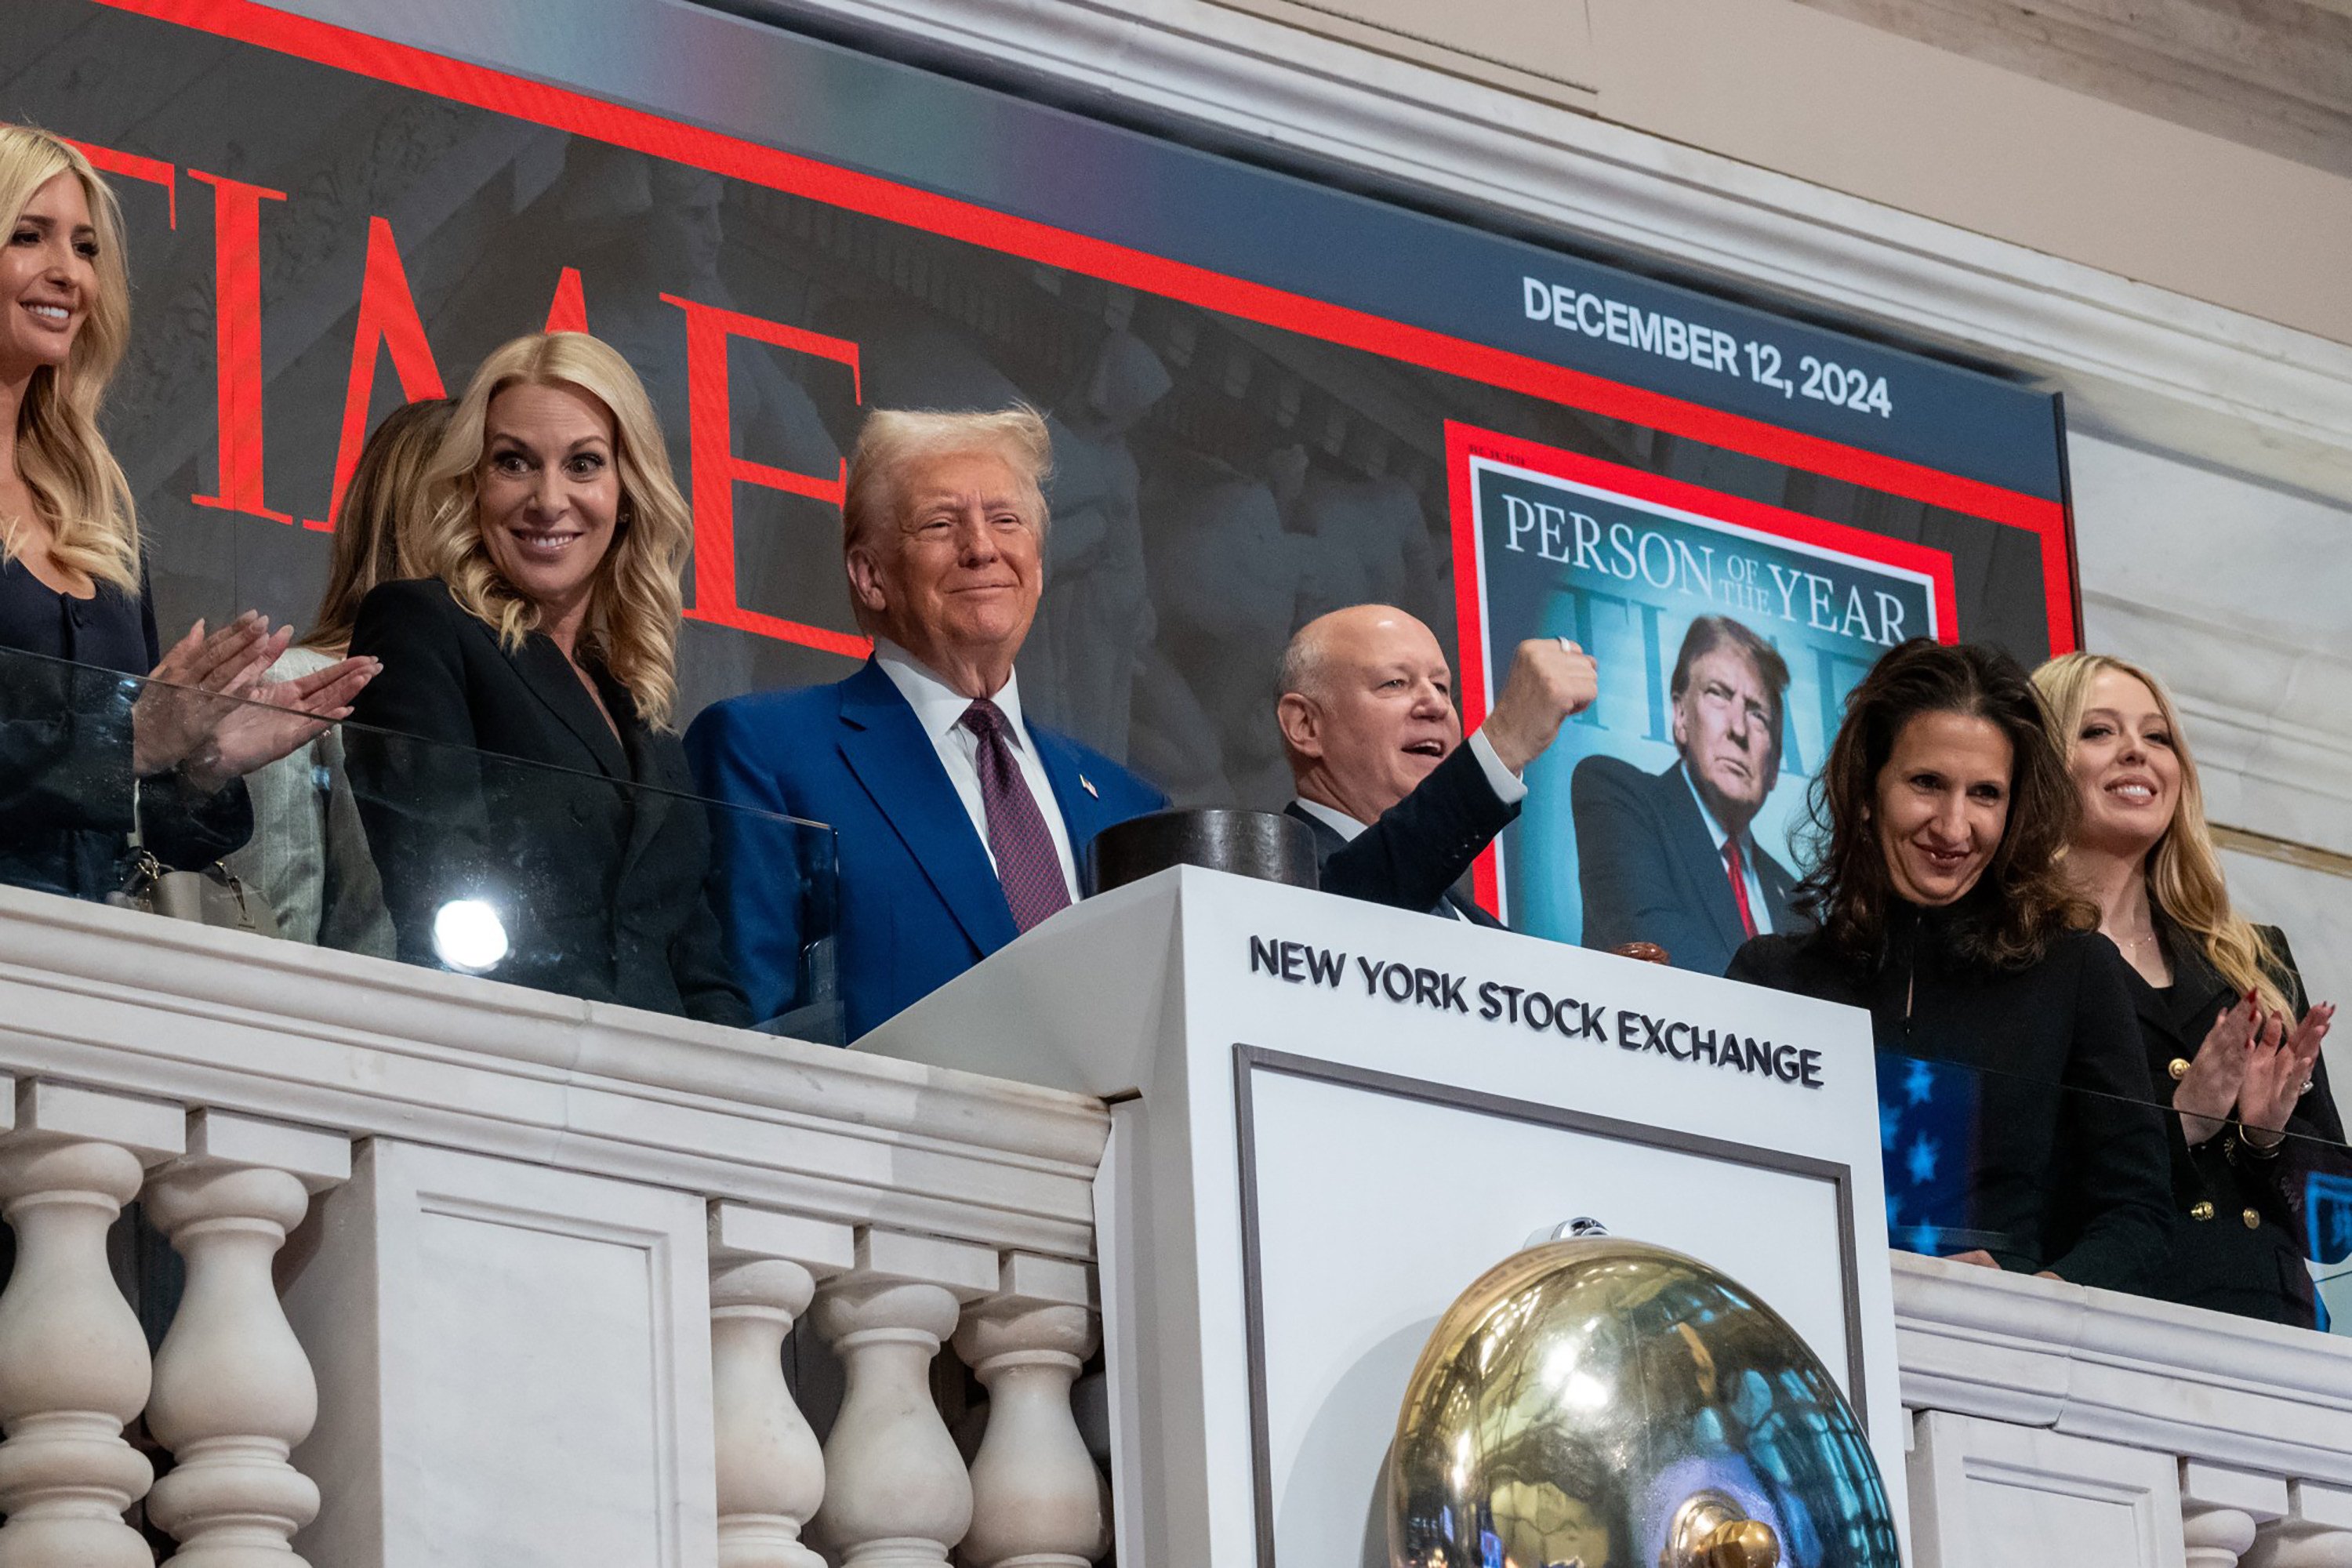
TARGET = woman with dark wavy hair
(1938,817)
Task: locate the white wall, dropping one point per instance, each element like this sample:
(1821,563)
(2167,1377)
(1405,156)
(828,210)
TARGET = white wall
(2234,592)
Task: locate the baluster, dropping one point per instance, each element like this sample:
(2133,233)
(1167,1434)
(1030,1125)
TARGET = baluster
(2216,1537)
(234,1391)
(896,1495)
(73,1360)
(1038,1501)
(764,1268)
(2221,1508)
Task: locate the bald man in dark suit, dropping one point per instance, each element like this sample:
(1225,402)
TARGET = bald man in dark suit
(1400,805)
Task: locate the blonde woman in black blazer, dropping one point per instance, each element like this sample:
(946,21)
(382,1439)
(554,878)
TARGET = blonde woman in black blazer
(2232,1042)
(83,762)
(548,634)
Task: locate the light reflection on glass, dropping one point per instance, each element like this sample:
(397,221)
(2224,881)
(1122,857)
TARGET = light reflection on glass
(468,935)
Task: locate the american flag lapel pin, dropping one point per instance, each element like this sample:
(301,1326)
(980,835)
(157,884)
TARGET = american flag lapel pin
(1087,785)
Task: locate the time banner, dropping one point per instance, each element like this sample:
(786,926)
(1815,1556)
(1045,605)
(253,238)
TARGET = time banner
(1257,378)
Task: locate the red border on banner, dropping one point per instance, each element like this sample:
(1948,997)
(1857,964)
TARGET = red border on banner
(563,109)
(1464,442)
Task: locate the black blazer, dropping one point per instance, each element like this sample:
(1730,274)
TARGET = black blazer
(2066,1167)
(1650,872)
(1412,857)
(2218,1261)
(599,884)
(67,795)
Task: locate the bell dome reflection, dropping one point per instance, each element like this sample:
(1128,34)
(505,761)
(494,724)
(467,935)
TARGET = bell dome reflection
(1607,1404)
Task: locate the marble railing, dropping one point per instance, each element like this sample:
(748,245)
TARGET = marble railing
(478,1275)
(2053,1423)
(475,1274)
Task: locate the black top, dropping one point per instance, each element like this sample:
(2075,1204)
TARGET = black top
(66,795)
(2067,1167)
(1421,846)
(594,859)
(2217,1259)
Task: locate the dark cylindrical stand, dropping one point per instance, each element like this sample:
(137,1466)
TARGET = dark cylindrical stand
(1261,843)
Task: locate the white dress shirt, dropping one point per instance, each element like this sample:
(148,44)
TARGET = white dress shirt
(1508,787)
(1757,908)
(939,709)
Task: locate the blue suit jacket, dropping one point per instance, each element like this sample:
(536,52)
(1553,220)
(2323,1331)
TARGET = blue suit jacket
(919,903)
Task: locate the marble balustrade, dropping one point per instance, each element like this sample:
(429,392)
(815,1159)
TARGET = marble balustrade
(474,1273)
(2053,1424)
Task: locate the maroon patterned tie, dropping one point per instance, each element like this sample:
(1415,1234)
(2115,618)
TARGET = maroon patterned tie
(1025,861)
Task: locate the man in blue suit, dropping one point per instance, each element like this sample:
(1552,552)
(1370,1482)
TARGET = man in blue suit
(961,824)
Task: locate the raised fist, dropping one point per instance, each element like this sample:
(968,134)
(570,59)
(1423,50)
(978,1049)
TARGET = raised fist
(1551,680)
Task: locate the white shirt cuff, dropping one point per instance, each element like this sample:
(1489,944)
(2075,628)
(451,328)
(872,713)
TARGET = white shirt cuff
(1508,787)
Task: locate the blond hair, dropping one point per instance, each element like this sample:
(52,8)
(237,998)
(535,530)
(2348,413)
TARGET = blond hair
(60,455)
(636,604)
(893,437)
(375,531)
(2183,867)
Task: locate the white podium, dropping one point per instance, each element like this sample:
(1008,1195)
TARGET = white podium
(1330,1118)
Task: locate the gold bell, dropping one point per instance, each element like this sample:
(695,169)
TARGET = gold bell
(1579,1402)
(2253,1221)
(2178,1067)
(2200,1210)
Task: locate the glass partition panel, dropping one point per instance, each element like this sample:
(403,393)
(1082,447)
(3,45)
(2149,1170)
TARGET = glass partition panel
(583,882)
(578,881)
(2125,1188)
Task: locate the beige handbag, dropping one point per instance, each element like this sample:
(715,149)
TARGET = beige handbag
(213,896)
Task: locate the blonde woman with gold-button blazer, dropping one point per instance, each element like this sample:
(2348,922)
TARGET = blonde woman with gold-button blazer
(2231,1040)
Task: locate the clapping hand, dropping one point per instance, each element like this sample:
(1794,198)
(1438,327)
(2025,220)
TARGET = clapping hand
(280,716)
(2279,1064)
(2209,1091)
(183,696)
(207,707)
